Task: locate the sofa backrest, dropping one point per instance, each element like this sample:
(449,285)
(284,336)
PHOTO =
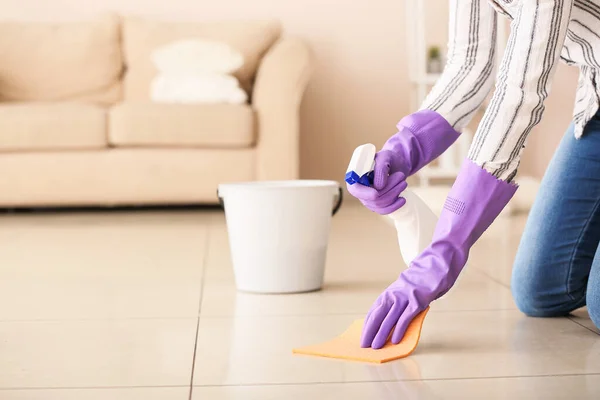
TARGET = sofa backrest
(61,61)
(142,36)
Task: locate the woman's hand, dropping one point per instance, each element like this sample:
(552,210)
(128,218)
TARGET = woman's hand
(384,196)
(421,138)
(393,311)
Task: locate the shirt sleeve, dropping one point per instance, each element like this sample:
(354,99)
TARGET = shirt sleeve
(523,84)
(467,77)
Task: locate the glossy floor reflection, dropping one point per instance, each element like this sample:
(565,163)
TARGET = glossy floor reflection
(144,306)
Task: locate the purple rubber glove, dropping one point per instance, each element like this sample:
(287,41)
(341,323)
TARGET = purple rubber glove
(421,138)
(384,201)
(475,200)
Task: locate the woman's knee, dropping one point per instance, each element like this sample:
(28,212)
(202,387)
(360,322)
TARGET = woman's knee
(526,291)
(594,311)
(526,286)
(537,297)
(538,304)
(593,304)
(531,300)
(541,282)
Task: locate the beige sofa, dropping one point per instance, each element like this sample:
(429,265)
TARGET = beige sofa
(77,126)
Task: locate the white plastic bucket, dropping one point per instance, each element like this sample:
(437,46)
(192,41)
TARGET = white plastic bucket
(278,232)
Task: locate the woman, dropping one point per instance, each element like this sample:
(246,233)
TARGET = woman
(557,267)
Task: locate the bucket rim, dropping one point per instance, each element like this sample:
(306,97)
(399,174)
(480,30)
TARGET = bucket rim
(281,184)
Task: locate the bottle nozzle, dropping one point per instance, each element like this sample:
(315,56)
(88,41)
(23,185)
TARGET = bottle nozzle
(360,169)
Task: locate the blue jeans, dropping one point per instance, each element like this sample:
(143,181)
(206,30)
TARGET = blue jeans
(557,267)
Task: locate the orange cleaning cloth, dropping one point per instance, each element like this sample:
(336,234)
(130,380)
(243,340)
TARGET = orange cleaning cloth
(347,345)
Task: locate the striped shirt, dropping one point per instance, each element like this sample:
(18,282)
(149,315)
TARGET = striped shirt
(542,32)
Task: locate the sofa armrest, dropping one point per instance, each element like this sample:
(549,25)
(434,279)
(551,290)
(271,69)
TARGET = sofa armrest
(281,80)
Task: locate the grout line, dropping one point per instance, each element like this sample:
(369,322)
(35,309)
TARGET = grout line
(221,316)
(191,386)
(106,319)
(297,383)
(572,319)
(202,279)
(354,314)
(93,387)
(403,380)
(481,271)
(19,388)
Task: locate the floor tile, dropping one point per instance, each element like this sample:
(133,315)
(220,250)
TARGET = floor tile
(146,264)
(470,344)
(104,305)
(80,354)
(218,257)
(178,393)
(546,388)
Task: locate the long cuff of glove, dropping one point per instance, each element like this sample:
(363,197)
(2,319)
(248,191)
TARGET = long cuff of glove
(474,202)
(421,138)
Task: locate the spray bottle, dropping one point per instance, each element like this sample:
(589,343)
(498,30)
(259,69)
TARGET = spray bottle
(414,221)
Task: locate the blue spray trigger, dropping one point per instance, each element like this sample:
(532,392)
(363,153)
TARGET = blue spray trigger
(365,180)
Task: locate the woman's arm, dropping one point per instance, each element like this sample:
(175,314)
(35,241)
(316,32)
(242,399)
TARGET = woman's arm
(424,135)
(524,79)
(467,77)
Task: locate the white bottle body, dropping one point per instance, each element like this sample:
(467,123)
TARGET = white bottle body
(415,224)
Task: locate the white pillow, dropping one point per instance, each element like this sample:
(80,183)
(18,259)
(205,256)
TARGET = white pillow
(193,56)
(198,88)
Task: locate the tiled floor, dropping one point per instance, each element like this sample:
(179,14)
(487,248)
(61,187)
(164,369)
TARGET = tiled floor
(143,306)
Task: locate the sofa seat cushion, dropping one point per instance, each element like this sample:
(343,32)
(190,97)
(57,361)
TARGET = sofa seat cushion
(52,126)
(181,125)
(62,61)
(142,36)
(120,177)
